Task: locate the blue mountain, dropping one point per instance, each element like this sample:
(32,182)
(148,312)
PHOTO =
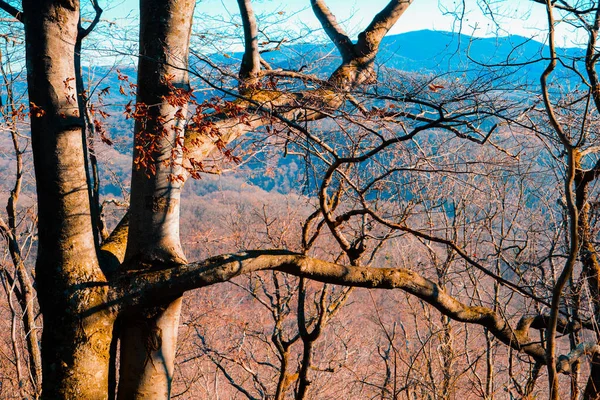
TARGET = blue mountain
(420,52)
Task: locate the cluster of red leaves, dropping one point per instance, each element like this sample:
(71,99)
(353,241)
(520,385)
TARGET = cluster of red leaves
(126,87)
(147,140)
(154,128)
(177,96)
(219,107)
(69,94)
(196,167)
(97,114)
(19,113)
(271,83)
(36,111)
(215,107)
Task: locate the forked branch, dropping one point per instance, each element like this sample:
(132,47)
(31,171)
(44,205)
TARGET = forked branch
(333,29)
(370,38)
(262,105)
(83,32)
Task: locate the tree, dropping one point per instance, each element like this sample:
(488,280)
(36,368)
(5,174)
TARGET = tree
(78,299)
(95,292)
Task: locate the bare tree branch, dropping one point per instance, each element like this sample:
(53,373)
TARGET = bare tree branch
(333,29)
(83,32)
(563,5)
(144,288)
(573,214)
(11,10)
(250,67)
(370,38)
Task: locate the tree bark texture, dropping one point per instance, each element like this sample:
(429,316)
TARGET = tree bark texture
(149,337)
(75,342)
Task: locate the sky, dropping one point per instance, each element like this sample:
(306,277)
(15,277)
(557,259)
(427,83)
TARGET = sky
(512,16)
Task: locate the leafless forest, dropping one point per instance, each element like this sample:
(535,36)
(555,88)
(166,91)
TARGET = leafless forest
(246,207)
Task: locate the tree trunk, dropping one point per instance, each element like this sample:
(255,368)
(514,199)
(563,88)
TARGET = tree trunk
(75,340)
(149,337)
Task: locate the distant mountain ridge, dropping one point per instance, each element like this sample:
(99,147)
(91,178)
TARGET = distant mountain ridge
(421,52)
(425,51)
(440,52)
